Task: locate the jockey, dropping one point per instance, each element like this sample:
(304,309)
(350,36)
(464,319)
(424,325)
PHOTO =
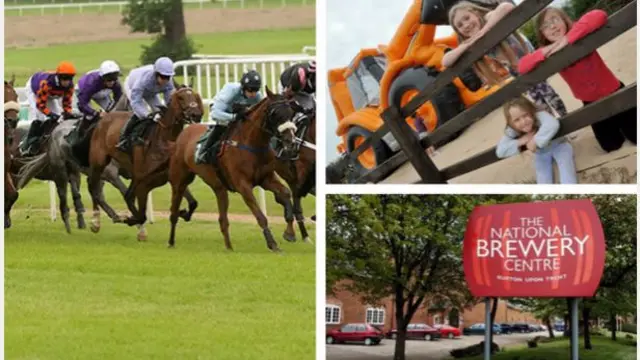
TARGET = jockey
(98,85)
(231,103)
(299,78)
(142,88)
(44,90)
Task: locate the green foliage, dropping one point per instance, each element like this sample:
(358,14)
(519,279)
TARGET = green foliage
(577,8)
(630,328)
(163,47)
(166,18)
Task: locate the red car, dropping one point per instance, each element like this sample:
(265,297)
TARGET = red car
(448,331)
(355,333)
(418,331)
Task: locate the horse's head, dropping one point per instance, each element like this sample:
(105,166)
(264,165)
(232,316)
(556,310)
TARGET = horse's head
(186,106)
(278,119)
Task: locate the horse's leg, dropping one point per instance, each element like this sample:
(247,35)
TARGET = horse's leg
(283,197)
(11,196)
(246,190)
(94,183)
(178,187)
(297,212)
(74,181)
(193,204)
(61,181)
(106,207)
(222,197)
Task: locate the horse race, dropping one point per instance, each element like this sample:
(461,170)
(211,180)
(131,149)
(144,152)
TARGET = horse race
(160,179)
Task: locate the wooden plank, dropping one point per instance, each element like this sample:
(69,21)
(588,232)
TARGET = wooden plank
(613,104)
(618,23)
(410,144)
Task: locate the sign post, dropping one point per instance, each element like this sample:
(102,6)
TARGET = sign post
(487,328)
(539,249)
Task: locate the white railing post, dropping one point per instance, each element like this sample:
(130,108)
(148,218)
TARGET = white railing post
(263,201)
(52,200)
(150,208)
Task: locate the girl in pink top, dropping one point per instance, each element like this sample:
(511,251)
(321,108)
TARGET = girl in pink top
(589,78)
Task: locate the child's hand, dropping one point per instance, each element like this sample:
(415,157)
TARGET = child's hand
(559,45)
(524,139)
(531,145)
(546,51)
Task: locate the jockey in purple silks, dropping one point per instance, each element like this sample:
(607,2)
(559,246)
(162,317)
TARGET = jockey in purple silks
(98,85)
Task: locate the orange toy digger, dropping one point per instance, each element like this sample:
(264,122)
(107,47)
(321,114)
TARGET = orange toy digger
(394,74)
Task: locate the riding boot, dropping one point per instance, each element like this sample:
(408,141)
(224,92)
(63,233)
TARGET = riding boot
(217,132)
(28,146)
(123,145)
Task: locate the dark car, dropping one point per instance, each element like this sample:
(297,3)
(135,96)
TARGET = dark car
(418,331)
(521,328)
(355,333)
(478,329)
(505,328)
(558,327)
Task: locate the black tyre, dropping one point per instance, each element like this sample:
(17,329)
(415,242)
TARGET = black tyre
(369,159)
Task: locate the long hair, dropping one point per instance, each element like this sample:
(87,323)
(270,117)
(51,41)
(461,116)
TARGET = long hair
(484,66)
(542,40)
(525,104)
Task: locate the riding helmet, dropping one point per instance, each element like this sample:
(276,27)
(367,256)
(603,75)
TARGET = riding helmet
(251,81)
(109,70)
(164,66)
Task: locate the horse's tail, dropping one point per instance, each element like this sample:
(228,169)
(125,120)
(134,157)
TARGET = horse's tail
(31,169)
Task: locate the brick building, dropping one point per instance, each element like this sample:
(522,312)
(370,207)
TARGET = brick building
(346,307)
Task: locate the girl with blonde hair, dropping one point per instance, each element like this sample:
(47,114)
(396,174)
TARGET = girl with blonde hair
(471,22)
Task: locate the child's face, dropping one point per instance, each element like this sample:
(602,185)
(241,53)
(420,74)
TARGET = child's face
(521,120)
(553,26)
(467,23)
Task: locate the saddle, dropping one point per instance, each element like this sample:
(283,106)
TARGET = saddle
(80,146)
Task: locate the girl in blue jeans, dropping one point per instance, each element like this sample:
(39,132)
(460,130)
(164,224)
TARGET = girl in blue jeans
(531,129)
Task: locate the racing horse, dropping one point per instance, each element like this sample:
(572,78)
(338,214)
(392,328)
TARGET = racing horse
(148,164)
(239,166)
(11,114)
(298,168)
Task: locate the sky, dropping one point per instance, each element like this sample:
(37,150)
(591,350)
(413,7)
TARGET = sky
(357,24)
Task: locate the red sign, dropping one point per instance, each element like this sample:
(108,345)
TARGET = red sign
(539,249)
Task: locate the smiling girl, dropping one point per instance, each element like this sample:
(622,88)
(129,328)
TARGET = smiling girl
(589,78)
(531,129)
(471,22)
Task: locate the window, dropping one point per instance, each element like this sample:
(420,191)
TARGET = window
(363,82)
(332,314)
(375,316)
(437,319)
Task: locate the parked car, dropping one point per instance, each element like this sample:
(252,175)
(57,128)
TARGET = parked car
(478,329)
(558,327)
(505,328)
(355,332)
(521,328)
(418,331)
(447,331)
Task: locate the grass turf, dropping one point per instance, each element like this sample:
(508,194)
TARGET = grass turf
(23,62)
(105,296)
(603,348)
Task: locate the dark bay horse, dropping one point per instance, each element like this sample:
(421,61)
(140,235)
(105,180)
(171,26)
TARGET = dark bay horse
(300,174)
(148,165)
(241,165)
(11,115)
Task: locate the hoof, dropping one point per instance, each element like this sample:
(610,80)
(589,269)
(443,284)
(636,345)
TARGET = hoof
(95,228)
(67,227)
(81,224)
(7,223)
(142,236)
(307,240)
(171,246)
(289,237)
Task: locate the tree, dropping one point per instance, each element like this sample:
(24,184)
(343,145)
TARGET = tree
(162,17)
(404,247)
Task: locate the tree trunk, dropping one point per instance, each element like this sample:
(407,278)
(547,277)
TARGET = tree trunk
(614,326)
(402,326)
(175,30)
(585,326)
(547,322)
(494,310)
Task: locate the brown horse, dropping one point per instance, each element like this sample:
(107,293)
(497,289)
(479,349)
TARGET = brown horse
(149,163)
(300,173)
(11,113)
(240,167)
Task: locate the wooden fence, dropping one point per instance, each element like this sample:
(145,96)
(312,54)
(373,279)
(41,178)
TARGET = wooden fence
(413,149)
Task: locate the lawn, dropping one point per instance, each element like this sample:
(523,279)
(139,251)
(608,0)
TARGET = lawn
(603,348)
(23,62)
(106,296)
(231,4)
(36,196)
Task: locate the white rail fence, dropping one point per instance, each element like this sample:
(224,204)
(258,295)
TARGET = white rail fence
(210,73)
(80,7)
